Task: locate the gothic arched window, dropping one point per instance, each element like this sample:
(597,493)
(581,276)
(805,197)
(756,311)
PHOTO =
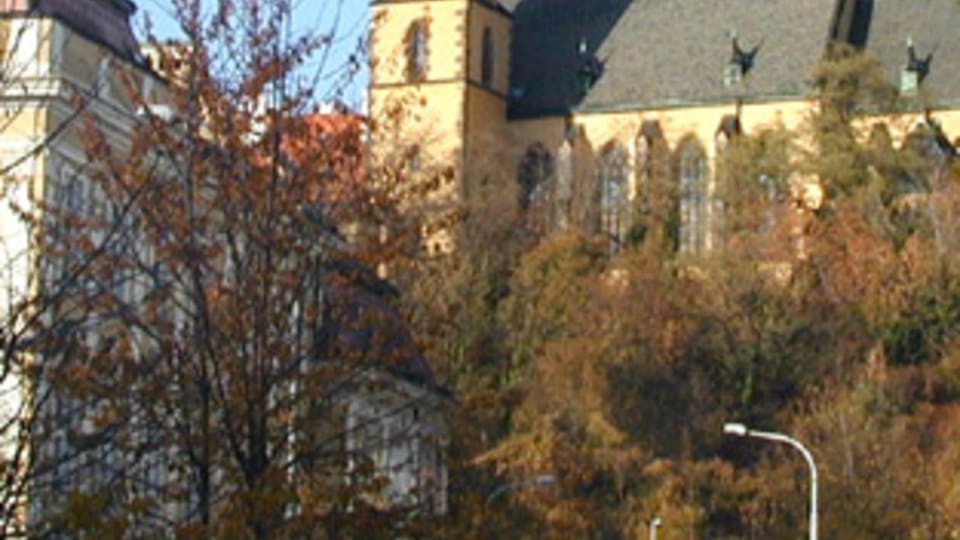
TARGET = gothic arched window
(927,153)
(486,59)
(536,179)
(563,185)
(416,42)
(649,143)
(651,162)
(692,177)
(885,162)
(728,129)
(614,195)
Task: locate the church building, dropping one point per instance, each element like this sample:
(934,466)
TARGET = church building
(571,99)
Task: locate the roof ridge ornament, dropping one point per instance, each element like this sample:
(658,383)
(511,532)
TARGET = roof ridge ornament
(742,60)
(916,70)
(591,67)
(916,64)
(745,58)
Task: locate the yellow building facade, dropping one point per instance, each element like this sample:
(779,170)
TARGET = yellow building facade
(564,101)
(62,63)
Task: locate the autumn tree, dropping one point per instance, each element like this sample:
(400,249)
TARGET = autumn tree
(826,313)
(223,328)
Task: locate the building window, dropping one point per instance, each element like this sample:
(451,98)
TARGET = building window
(102,84)
(403,450)
(927,153)
(728,129)
(649,140)
(692,172)
(654,189)
(417,51)
(413,159)
(652,159)
(563,185)
(536,178)
(4,40)
(614,196)
(486,64)
(771,191)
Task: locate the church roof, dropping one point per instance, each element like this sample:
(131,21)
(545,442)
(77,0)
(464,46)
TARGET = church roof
(544,49)
(106,22)
(661,53)
(932,25)
(658,53)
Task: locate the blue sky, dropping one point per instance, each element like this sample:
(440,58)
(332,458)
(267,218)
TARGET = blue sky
(349,17)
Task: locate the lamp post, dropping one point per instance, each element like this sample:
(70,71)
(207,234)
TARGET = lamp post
(542,480)
(741,430)
(654,525)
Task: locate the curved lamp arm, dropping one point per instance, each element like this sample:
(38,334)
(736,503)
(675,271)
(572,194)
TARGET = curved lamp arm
(740,430)
(542,480)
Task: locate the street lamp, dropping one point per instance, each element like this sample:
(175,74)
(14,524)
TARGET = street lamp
(542,480)
(654,524)
(741,430)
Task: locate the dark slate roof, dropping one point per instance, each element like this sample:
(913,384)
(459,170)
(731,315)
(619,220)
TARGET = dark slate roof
(505,7)
(362,326)
(934,25)
(544,55)
(106,22)
(661,52)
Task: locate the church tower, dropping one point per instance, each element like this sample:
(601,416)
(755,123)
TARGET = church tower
(438,92)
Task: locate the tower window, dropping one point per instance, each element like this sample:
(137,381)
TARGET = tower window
(417,51)
(486,63)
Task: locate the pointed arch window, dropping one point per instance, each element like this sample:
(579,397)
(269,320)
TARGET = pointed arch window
(536,178)
(416,41)
(928,153)
(563,185)
(614,196)
(726,134)
(648,143)
(654,190)
(728,129)
(652,160)
(692,172)
(486,59)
